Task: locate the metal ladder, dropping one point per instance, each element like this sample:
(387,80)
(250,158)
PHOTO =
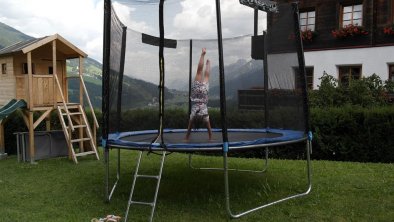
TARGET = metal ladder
(155,177)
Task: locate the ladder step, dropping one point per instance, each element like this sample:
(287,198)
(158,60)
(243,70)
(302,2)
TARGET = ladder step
(72,113)
(80,140)
(85,153)
(143,203)
(77,126)
(149,176)
(70,106)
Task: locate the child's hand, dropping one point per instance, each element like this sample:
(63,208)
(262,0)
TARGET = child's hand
(203,51)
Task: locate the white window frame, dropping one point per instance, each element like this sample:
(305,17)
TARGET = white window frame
(352,15)
(308,20)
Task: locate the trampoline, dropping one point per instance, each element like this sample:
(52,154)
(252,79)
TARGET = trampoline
(257,91)
(175,142)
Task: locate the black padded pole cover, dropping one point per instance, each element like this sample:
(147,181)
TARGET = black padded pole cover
(301,64)
(106,68)
(221,74)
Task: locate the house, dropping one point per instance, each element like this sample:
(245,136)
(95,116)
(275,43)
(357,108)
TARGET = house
(347,39)
(34,72)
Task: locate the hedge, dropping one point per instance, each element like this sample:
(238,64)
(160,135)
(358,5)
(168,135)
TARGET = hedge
(348,133)
(354,134)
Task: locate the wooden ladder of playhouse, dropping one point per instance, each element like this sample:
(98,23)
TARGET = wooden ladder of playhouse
(77,131)
(76,128)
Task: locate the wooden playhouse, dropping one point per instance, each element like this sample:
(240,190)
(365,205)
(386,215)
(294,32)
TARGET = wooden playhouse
(34,71)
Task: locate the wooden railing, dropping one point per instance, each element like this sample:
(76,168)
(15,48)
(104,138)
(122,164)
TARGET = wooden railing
(85,91)
(64,102)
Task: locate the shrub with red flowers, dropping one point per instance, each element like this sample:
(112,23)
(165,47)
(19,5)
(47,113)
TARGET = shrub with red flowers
(389,30)
(349,31)
(307,35)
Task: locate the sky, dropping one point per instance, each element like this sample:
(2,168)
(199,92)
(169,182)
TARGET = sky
(81,21)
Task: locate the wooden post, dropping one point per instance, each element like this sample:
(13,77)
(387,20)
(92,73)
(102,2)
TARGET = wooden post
(81,79)
(30,81)
(31,137)
(70,154)
(54,73)
(94,134)
(80,73)
(48,123)
(30,107)
(2,143)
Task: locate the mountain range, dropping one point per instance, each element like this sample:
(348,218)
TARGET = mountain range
(242,74)
(141,93)
(9,35)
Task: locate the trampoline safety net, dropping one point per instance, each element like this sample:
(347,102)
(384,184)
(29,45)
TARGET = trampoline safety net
(268,93)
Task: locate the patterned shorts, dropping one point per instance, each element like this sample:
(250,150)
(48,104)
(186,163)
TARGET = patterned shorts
(200,109)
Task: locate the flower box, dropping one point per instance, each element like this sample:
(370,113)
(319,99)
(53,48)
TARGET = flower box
(308,35)
(349,31)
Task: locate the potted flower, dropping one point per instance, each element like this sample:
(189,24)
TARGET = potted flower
(349,31)
(308,35)
(389,30)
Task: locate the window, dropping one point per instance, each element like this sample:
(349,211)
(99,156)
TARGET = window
(50,70)
(348,73)
(352,15)
(4,68)
(391,72)
(307,20)
(309,78)
(25,68)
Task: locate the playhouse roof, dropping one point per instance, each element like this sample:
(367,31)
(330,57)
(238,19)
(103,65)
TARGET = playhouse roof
(62,45)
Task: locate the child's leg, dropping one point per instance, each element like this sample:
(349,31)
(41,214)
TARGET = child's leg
(189,128)
(207,71)
(209,129)
(200,66)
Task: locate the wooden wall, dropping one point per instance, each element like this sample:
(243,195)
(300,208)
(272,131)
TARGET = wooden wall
(376,15)
(43,90)
(7,81)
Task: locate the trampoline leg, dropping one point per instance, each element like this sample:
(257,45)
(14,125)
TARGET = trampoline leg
(108,194)
(240,170)
(227,189)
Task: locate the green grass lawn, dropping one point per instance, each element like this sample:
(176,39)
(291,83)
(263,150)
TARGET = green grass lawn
(59,190)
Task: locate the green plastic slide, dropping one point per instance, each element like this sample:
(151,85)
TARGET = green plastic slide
(11,106)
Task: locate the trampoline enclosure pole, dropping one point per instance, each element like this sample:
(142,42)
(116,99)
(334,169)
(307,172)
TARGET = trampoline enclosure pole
(161,64)
(301,64)
(265,61)
(221,78)
(106,68)
(190,74)
(105,88)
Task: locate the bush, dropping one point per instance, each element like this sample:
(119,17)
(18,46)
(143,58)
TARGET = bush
(353,134)
(366,92)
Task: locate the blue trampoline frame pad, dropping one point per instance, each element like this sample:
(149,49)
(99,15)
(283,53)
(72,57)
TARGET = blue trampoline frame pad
(174,139)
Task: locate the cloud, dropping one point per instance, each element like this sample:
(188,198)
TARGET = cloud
(80,22)
(136,17)
(198,18)
(186,19)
